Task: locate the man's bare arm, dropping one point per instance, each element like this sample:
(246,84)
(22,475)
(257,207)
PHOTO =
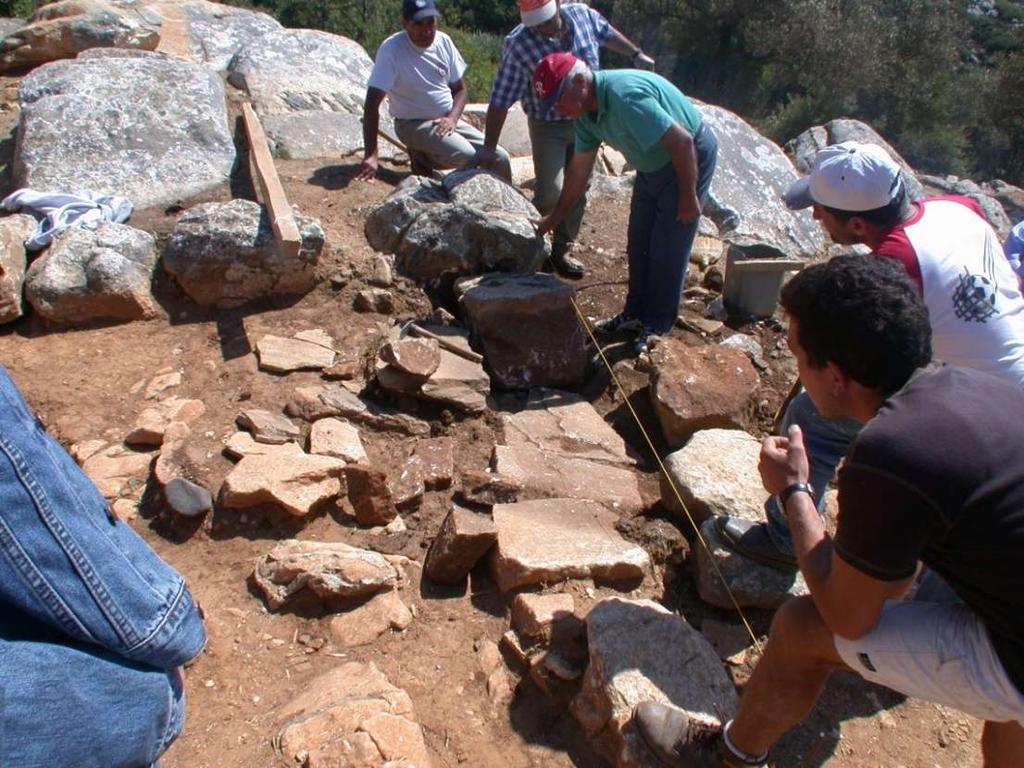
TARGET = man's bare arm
(371,123)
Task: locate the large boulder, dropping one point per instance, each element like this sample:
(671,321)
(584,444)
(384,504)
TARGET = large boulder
(217,32)
(746,191)
(225,254)
(695,388)
(149,128)
(990,206)
(443,231)
(805,146)
(527,328)
(639,651)
(515,133)
(65,29)
(86,275)
(293,77)
(13,260)
(312,134)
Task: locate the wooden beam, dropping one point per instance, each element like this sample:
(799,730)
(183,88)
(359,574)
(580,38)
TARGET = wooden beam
(174,32)
(281,218)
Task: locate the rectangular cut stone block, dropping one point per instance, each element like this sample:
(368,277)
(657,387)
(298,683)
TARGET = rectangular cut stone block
(464,537)
(542,474)
(534,616)
(370,495)
(550,540)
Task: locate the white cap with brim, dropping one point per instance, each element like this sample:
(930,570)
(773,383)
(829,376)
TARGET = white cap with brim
(847,177)
(534,12)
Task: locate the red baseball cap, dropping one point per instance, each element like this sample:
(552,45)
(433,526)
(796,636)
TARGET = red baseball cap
(549,75)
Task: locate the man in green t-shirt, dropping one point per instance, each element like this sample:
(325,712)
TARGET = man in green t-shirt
(663,136)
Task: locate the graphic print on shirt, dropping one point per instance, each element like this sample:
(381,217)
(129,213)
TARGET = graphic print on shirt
(974,299)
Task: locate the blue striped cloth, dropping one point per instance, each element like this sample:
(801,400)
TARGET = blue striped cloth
(584,32)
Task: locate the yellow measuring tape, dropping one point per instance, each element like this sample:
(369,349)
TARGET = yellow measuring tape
(664,472)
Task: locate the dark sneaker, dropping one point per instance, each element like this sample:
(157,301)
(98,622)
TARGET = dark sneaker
(640,343)
(680,741)
(618,324)
(753,541)
(566,266)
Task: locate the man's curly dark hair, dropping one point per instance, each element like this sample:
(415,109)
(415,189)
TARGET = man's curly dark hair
(864,314)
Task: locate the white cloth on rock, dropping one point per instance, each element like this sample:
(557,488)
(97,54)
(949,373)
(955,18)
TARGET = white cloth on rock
(57,211)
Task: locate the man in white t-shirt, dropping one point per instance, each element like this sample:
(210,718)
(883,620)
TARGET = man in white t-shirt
(421,70)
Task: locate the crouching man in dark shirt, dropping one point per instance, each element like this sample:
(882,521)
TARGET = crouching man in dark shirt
(931,479)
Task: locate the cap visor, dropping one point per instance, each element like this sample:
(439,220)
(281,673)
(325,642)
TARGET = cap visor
(426,13)
(799,194)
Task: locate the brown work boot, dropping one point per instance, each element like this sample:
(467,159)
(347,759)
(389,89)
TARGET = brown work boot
(680,741)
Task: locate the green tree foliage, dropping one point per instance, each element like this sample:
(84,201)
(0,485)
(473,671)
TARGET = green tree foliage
(20,9)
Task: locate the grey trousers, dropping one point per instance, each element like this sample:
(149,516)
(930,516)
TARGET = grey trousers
(553,144)
(456,150)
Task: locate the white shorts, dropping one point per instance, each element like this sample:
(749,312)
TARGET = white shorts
(937,652)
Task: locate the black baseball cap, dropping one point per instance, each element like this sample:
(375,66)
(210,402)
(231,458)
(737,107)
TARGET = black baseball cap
(417,10)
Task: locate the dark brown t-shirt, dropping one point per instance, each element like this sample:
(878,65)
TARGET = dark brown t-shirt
(938,476)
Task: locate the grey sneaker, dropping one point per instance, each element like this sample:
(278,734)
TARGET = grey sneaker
(679,741)
(618,324)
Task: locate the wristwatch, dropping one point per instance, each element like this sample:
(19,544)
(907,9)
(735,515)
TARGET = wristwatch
(792,488)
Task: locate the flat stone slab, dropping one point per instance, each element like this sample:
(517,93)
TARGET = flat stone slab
(639,651)
(330,571)
(313,403)
(456,382)
(552,476)
(281,355)
(534,616)
(416,357)
(152,422)
(337,438)
(352,716)
(551,540)
(464,537)
(716,474)
(292,480)
(365,623)
(750,583)
(114,468)
(566,424)
(241,444)
(268,427)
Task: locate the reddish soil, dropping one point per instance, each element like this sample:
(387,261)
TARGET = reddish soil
(81,381)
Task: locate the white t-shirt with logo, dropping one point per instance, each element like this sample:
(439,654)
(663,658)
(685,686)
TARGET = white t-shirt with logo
(417,80)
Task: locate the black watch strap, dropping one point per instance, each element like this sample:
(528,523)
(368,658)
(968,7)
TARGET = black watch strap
(792,488)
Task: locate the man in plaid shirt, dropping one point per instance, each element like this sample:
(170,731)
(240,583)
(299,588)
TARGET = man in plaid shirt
(549,26)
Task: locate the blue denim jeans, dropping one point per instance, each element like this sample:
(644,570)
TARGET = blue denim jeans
(93,624)
(826,441)
(658,244)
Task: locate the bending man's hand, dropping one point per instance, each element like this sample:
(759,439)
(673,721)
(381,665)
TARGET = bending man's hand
(643,61)
(444,126)
(689,208)
(783,461)
(545,224)
(367,169)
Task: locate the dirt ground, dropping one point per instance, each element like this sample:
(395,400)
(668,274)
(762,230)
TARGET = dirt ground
(83,384)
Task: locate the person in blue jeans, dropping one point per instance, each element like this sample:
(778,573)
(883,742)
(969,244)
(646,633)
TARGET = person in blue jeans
(94,626)
(662,134)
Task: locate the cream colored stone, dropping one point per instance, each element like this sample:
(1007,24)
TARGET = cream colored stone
(540,474)
(370,620)
(337,438)
(551,540)
(282,355)
(295,481)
